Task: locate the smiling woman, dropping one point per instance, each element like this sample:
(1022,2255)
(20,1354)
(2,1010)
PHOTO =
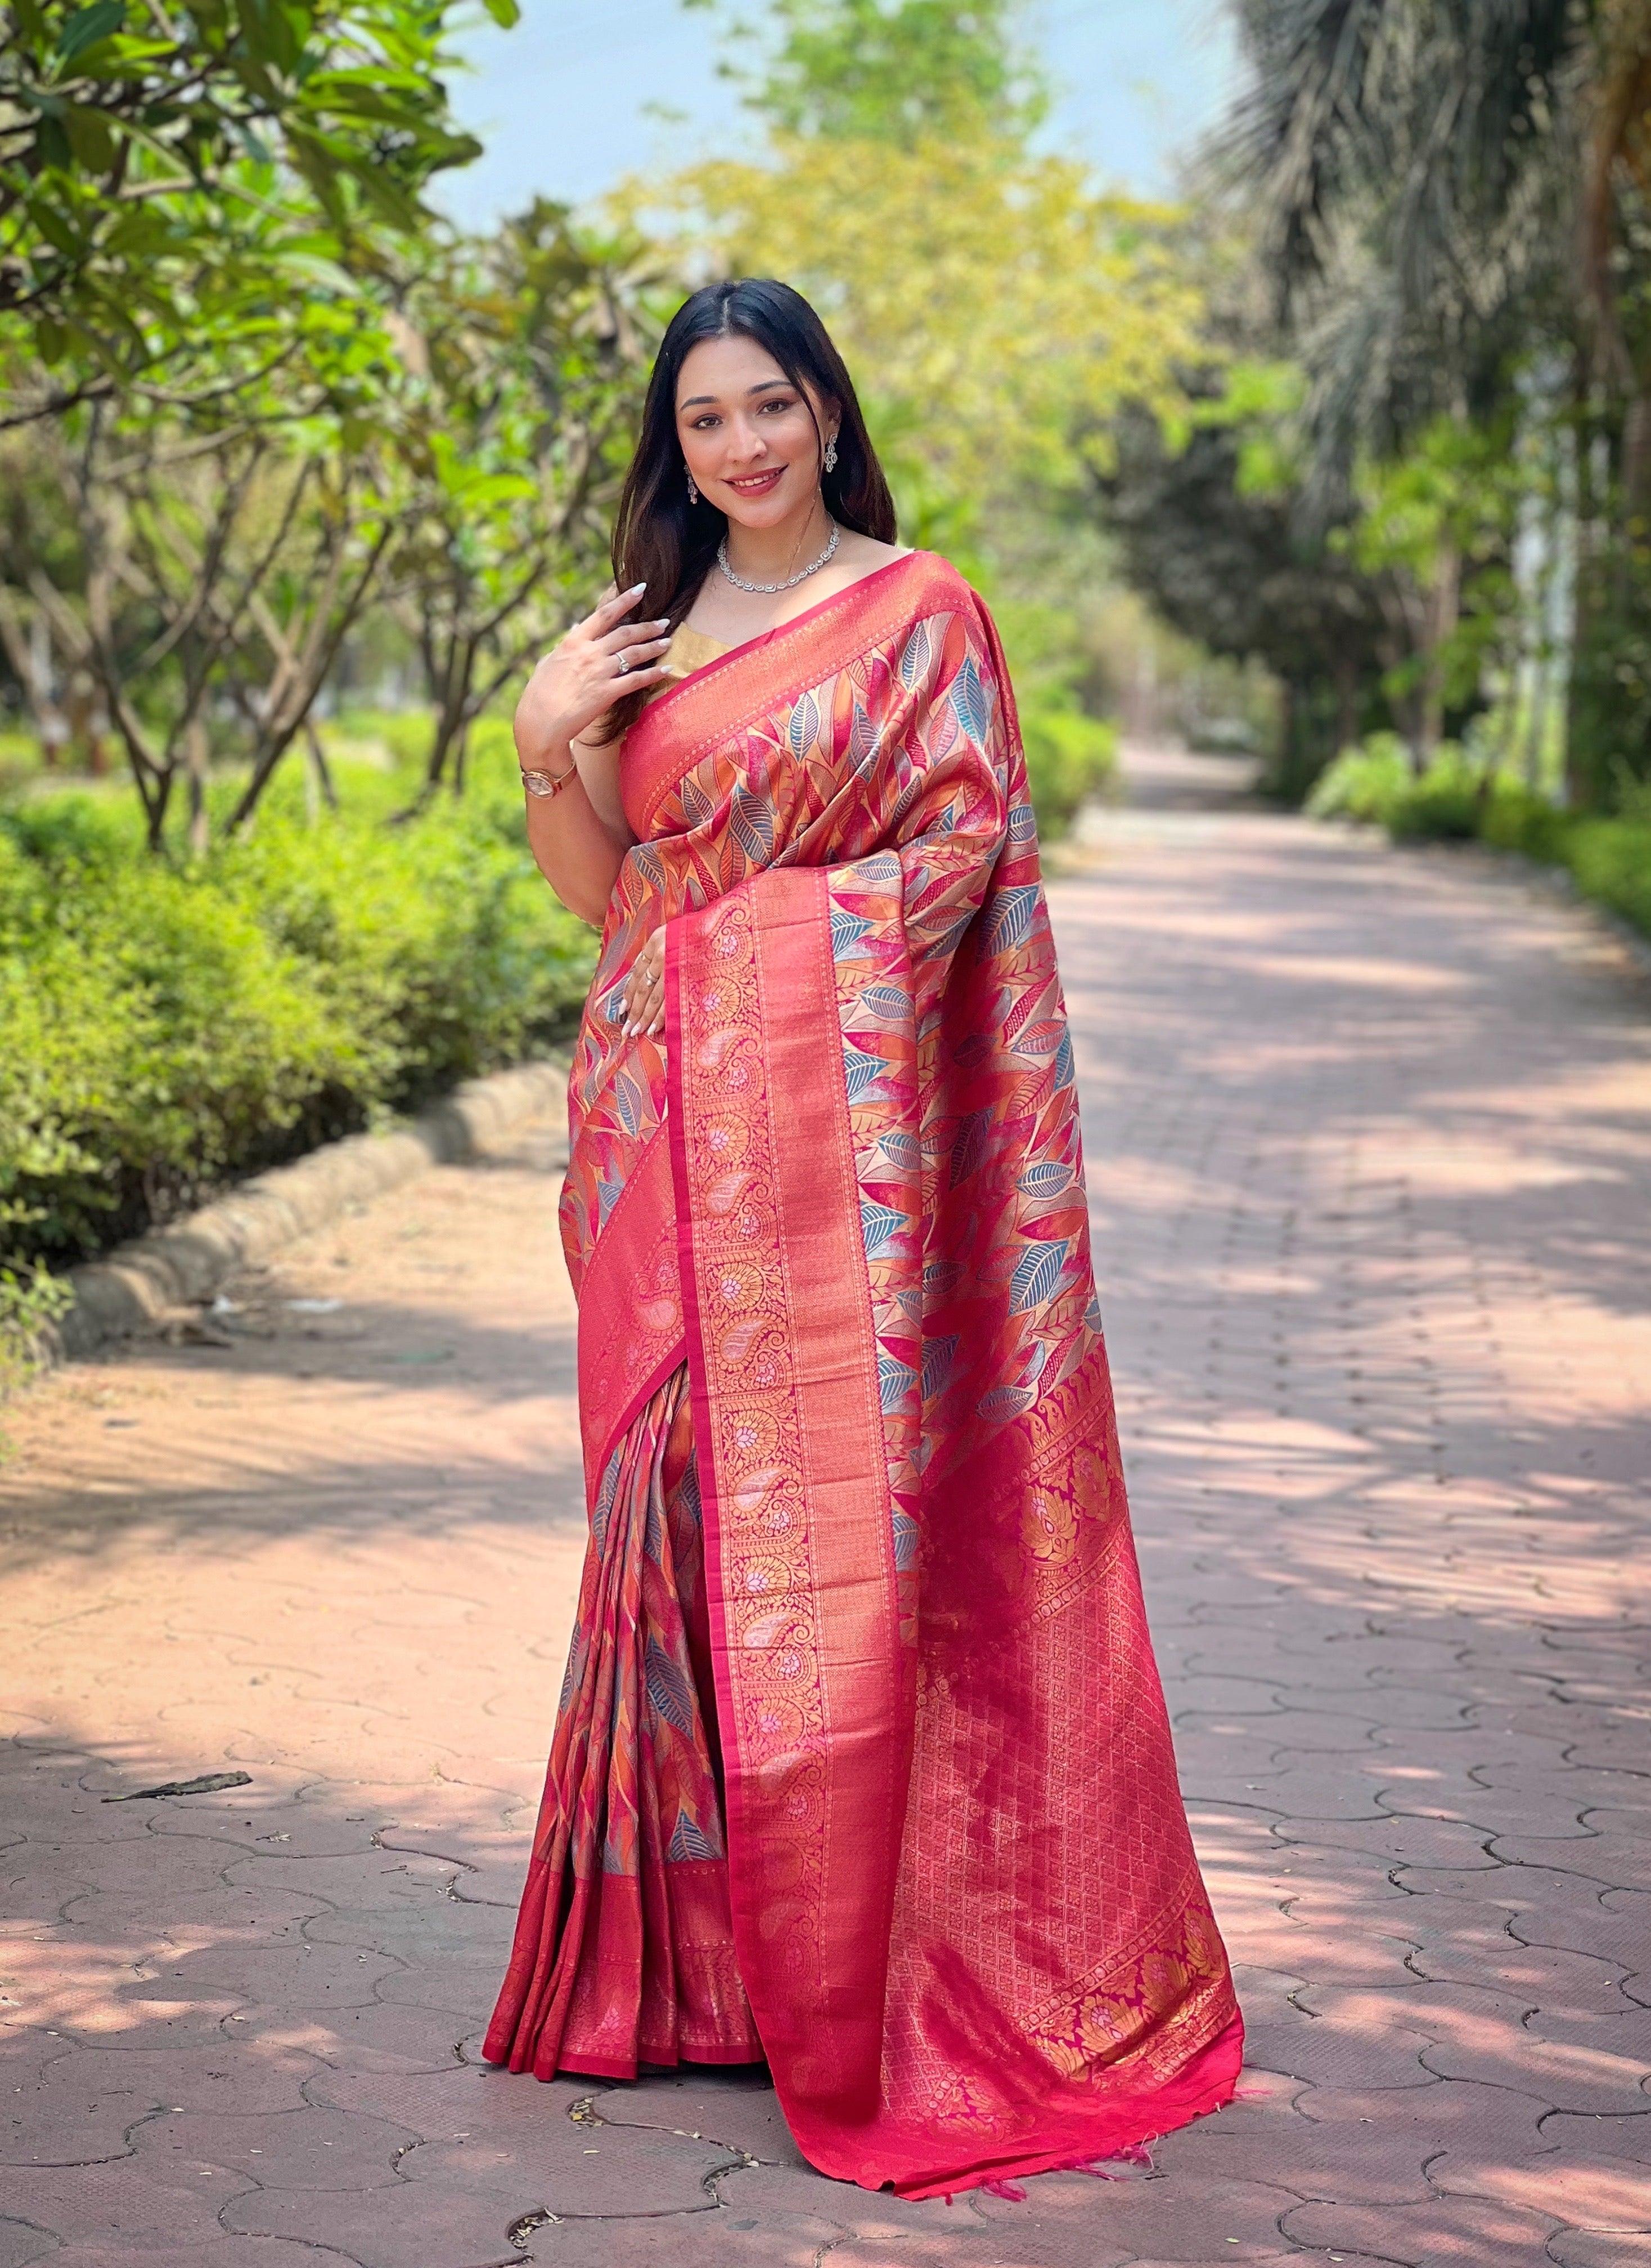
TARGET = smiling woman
(861,1764)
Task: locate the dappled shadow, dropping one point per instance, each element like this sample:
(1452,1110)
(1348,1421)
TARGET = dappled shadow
(1369,1145)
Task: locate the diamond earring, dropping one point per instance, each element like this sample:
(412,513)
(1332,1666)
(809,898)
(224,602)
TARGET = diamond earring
(831,454)
(693,493)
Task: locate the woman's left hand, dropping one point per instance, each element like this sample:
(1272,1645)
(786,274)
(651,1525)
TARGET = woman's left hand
(644,989)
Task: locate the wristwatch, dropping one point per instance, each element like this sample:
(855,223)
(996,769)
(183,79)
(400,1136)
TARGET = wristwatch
(547,783)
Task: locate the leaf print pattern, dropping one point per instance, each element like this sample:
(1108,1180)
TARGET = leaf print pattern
(872,758)
(632,1798)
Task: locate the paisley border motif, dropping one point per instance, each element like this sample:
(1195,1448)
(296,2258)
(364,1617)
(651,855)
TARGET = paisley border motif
(814,1704)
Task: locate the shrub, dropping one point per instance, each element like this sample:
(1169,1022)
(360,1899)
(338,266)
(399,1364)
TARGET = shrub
(1363,783)
(1069,757)
(1454,799)
(1612,861)
(1377,783)
(1445,804)
(1514,818)
(163,1027)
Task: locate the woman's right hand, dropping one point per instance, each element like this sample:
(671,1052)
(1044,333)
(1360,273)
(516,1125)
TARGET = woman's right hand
(583,676)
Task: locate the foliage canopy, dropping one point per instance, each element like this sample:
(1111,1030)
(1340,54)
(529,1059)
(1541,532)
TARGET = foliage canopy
(182,181)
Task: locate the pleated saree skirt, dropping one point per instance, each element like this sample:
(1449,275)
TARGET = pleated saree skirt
(624,1953)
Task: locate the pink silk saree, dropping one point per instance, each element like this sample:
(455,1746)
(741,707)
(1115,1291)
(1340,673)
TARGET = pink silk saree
(862,1763)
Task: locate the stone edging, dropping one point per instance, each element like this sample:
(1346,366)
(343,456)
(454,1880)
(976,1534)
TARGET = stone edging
(184,1263)
(1548,878)
(1559,882)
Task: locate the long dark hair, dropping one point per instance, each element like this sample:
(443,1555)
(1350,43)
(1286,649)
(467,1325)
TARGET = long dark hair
(662,539)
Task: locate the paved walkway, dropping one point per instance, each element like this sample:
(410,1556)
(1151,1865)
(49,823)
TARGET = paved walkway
(1369,1136)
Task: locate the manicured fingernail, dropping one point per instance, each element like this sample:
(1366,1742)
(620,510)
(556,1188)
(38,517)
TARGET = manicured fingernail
(635,590)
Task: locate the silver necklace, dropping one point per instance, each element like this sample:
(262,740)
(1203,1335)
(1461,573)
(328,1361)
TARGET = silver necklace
(767,589)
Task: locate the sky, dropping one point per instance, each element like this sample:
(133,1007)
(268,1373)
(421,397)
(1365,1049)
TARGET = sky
(566,103)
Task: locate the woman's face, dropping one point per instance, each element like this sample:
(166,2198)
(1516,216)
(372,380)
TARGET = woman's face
(747,432)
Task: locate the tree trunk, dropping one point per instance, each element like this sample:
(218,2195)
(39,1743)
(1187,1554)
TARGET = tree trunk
(1583,598)
(195,759)
(453,702)
(321,770)
(29,652)
(1444,612)
(1346,680)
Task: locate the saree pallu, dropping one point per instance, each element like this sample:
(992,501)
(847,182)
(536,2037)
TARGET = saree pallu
(862,1763)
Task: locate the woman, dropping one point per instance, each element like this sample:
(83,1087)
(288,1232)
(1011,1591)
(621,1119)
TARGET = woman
(861,1764)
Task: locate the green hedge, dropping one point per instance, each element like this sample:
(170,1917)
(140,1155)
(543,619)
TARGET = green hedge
(1454,799)
(168,1025)
(165,1027)
(1069,757)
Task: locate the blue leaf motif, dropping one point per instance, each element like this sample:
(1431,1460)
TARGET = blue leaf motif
(690,1841)
(860,1071)
(752,823)
(605,1496)
(687,1489)
(847,929)
(938,1359)
(802,728)
(628,1101)
(887,1002)
(880,1225)
(1037,1275)
(1044,1180)
(669,1695)
(607,1193)
(914,657)
(1065,1072)
(575,1670)
(894,1380)
(968,1146)
(968,698)
(1005,1401)
(1011,920)
(1022,823)
(907,1538)
(902,1150)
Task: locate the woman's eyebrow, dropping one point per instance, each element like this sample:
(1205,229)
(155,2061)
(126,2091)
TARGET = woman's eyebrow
(704,400)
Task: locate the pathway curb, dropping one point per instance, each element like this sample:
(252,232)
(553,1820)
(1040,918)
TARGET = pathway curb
(184,1263)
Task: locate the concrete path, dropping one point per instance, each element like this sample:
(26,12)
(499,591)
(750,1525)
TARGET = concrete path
(1369,1139)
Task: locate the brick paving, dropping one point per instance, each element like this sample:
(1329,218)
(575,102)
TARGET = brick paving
(1369,1140)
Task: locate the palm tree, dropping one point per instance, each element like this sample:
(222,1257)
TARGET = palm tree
(1445,187)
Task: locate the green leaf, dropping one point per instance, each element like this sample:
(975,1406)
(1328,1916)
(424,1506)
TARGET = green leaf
(89,138)
(53,144)
(87,26)
(504,12)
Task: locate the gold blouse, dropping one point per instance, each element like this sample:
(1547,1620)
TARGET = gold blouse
(689,651)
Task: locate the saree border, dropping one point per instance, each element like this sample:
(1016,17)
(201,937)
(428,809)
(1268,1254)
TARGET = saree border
(810,1686)
(691,718)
